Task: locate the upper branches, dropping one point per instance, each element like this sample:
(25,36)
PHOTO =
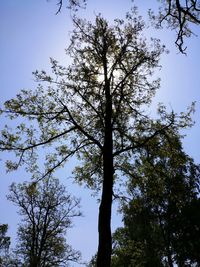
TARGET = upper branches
(180,15)
(72,4)
(110,77)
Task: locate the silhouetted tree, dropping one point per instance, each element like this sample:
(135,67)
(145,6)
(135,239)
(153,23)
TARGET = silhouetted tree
(47,211)
(94,109)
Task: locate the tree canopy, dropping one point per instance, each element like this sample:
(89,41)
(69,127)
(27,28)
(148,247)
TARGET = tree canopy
(178,15)
(95,108)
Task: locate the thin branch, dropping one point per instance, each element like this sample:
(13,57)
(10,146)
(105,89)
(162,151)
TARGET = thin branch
(77,126)
(59,4)
(139,145)
(33,113)
(49,140)
(63,160)
(89,103)
(121,197)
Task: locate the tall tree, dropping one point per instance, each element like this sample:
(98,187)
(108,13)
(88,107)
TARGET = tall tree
(94,108)
(164,187)
(47,211)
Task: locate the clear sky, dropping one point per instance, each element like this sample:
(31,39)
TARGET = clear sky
(30,33)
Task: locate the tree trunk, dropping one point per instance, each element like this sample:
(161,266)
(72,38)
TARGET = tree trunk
(105,209)
(169,257)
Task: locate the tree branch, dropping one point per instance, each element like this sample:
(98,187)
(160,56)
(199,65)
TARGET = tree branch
(77,126)
(139,145)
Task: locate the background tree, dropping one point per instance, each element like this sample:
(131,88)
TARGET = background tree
(93,109)
(187,229)
(164,187)
(139,243)
(4,242)
(47,212)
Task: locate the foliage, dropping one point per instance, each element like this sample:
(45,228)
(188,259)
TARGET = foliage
(159,220)
(46,210)
(187,229)
(4,242)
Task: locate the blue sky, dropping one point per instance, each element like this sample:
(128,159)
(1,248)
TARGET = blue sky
(30,34)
